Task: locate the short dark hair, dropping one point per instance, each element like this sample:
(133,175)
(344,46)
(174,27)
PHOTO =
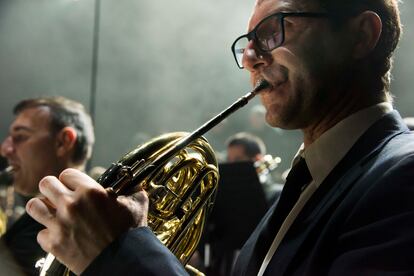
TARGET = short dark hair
(252,144)
(65,112)
(380,59)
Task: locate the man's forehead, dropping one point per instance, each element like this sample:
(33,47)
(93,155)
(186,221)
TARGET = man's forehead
(286,4)
(31,119)
(239,148)
(264,8)
(276,3)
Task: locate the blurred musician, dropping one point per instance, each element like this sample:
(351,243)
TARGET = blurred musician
(245,146)
(46,136)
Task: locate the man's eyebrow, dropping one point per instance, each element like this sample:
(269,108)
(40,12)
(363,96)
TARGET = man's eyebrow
(21,128)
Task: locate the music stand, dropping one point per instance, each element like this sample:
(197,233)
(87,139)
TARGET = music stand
(239,206)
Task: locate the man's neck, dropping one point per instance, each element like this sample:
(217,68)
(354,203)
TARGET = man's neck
(336,113)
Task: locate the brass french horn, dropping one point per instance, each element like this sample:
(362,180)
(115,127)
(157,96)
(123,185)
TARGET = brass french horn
(179,173)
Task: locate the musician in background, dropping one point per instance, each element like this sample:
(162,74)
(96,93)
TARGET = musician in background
(245,146)
(47,136)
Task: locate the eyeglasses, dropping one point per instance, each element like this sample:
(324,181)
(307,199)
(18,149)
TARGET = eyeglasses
(268,34)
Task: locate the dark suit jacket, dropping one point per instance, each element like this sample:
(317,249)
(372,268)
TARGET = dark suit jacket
(361,219)
(137,252)
(359,222)
(21,242)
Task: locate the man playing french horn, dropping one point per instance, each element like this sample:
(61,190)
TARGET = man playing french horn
(346,208)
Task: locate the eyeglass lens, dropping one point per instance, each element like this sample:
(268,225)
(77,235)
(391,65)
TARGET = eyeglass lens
(269,35)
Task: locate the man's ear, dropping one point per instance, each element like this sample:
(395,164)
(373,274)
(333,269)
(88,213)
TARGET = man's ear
(367,27)
(65,140)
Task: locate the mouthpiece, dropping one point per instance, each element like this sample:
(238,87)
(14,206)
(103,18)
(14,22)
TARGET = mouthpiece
(6,176)
(261,84)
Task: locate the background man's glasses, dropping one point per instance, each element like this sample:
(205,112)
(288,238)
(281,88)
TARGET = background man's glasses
(268,34)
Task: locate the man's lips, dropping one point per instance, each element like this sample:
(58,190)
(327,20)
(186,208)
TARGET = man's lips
(274,86)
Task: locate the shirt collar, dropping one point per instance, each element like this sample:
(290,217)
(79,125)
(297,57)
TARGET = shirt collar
(326,152)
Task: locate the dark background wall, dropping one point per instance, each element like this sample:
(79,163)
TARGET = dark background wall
(162,66)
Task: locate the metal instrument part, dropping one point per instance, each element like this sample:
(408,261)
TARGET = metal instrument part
(6,197)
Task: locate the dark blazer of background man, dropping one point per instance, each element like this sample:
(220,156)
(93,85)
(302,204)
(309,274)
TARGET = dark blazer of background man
(328,64)
(47,136)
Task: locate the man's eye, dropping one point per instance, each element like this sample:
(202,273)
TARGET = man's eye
(19,138)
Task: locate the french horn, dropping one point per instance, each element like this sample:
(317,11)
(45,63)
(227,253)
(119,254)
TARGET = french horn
(180,175)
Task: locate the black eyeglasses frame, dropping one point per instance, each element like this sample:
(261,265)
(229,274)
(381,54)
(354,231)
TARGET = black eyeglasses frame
(252,35)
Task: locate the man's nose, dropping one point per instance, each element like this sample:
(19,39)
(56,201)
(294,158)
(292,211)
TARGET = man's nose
(253,58)
(7,147)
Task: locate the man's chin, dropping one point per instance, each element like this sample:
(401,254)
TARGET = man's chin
(282,124)
(276,121)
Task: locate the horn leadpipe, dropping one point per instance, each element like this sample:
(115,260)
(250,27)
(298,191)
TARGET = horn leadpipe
(148,169)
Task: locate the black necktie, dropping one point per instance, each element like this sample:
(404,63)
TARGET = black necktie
(297,179)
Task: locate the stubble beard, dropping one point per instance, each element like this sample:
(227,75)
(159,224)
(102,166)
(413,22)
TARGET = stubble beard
(294,113)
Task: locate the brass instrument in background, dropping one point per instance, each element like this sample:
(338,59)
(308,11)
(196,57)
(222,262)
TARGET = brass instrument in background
(266,165)
(179,173)
(6,197)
